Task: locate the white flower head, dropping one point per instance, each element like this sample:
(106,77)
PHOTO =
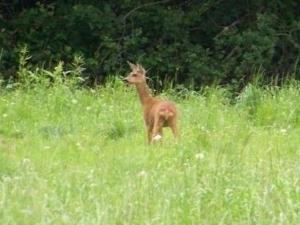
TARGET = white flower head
(157,137)
(142,173)
(199,156)
(283,131)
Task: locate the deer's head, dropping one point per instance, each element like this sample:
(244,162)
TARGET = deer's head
(137,74)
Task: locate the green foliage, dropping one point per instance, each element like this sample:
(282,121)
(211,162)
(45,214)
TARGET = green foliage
(192,42)
(253,48)
(29,76)
(79,156)
(250,98)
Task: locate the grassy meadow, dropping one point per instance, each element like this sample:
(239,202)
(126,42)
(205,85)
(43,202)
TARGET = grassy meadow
(79,156)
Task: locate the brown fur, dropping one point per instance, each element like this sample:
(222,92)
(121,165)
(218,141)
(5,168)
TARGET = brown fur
(157,113)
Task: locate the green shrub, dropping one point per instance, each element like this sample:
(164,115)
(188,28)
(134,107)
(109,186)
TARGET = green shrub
(191,42)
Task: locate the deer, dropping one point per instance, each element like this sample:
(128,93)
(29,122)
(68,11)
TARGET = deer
(157,113)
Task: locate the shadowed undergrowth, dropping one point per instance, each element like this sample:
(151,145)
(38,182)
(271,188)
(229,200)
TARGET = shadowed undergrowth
(79,156)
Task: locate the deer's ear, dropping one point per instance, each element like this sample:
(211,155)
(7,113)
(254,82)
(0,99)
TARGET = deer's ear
(132,66)
(141,68)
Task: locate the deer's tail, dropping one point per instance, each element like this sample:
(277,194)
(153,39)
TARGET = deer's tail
(166,114)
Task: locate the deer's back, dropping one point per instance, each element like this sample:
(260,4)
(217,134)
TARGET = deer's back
(161,110)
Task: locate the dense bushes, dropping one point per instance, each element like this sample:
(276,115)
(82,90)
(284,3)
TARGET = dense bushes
(194,42)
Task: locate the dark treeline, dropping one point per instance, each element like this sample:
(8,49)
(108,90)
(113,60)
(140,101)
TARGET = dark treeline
(193,41)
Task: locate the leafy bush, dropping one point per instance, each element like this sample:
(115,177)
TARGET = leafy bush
(192,42)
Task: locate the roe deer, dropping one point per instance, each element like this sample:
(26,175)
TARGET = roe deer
(157,113)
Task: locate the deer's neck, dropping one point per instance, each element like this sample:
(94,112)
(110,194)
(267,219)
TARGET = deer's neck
(144,92)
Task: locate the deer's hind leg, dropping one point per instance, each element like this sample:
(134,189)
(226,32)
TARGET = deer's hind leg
(174,128)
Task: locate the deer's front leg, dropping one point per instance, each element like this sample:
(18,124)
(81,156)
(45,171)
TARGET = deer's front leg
(157,130)
(149,128)
(174,129)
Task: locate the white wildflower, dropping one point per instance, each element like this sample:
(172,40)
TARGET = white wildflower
(78,144)
(74,101)
(228,192)
(283,131)
(142,173)
(199,156)
(157,137)
(65,218)
(26,161)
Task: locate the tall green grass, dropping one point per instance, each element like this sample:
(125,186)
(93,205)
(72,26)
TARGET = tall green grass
(79,156)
